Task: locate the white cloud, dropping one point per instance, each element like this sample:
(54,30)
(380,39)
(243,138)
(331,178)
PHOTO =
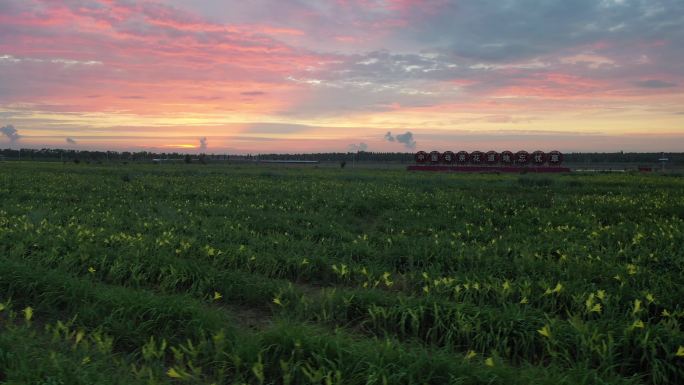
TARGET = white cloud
(65,62)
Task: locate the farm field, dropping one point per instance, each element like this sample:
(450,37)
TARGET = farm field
(224,274)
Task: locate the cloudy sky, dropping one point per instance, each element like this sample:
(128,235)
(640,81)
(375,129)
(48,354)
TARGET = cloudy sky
(313,75)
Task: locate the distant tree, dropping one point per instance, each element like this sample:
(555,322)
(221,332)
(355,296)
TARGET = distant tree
(187,158)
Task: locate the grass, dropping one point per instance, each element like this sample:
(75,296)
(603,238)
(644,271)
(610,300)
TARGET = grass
(249,274)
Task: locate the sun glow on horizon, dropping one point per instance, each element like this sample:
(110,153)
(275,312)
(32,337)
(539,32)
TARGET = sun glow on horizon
(180,146)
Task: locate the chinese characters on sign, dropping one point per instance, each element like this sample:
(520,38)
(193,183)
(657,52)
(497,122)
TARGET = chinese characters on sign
(506,158)
(555,158)
(462,157)
(476,157)
(522,157)
(538,157)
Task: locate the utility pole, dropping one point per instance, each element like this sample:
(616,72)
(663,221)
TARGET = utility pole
(662,161)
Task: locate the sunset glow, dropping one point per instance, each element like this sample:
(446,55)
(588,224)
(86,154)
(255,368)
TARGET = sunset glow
(317,76)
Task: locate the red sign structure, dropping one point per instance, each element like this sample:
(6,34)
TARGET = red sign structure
(538,158)
(491,157)
(555,158)
(477,157)
(448,157)
(506,158)
(522,157)
(462,157)
(491,161)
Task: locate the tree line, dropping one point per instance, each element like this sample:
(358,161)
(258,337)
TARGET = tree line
(65,155)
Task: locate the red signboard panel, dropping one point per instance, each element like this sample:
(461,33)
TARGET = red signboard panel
(485,169)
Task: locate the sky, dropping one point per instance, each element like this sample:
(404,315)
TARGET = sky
(262,76)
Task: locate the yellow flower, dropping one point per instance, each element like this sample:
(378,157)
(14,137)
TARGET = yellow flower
(277,301)
(680,351)
(592,307)
(665,313)
(631,269)
(637,306)
(217,296)
(79,336)
(590,301)
(506,285)
(85,360)
(650,298)
(489,362)
(470,355)
(556,289)
(545,331)
(91,270)
(173,373)
(386,277)
(28,313)
(601,294)
(638,324)
(524,300)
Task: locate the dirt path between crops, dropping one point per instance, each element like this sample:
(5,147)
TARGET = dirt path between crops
(255,318)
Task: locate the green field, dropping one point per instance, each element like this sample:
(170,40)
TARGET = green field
(143,274)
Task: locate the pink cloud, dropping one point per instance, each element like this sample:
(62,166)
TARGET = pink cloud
(147,49)
(554,85)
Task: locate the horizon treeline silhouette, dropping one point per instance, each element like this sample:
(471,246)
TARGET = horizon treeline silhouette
(47,154)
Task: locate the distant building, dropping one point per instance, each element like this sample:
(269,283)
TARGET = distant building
(165,160)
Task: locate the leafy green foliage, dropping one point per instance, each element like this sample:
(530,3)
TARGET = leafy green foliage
(245,274)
